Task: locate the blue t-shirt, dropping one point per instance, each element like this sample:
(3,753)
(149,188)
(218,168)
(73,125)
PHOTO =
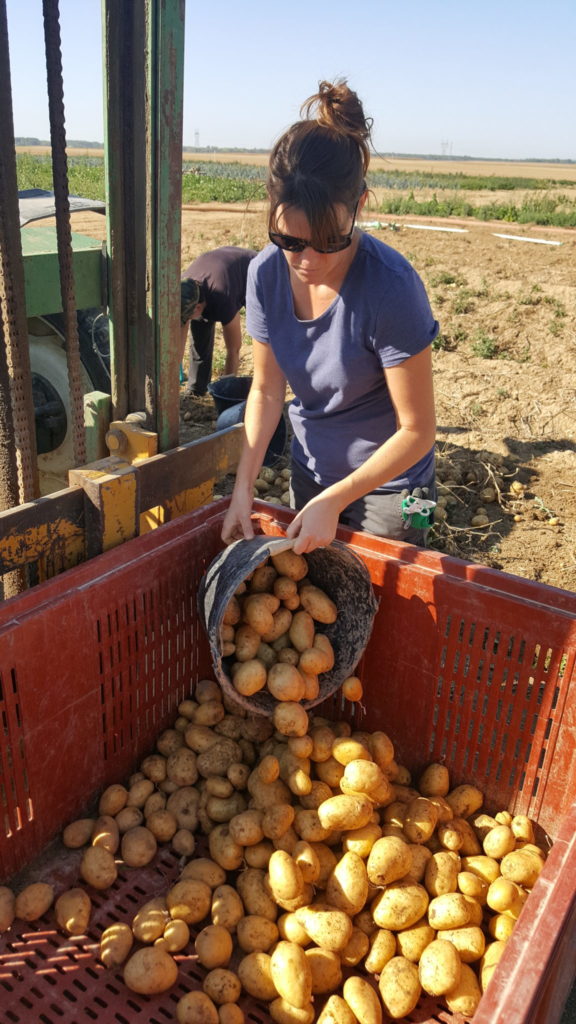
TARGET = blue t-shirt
(342,411)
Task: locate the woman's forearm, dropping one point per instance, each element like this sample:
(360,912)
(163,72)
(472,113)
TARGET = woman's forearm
(390,460)
(261,418)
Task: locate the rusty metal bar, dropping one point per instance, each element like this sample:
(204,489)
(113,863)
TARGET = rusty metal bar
(18,460)
(63,229)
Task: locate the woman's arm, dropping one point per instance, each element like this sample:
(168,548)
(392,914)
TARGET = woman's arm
(411,390)
(263,411)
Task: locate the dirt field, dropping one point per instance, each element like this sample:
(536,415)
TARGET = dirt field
(505,377)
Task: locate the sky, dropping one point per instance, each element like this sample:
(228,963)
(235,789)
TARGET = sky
(493,79)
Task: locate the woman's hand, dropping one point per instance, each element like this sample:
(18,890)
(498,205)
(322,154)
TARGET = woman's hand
(315,525)
(237,523)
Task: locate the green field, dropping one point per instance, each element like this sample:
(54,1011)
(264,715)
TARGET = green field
(529,200)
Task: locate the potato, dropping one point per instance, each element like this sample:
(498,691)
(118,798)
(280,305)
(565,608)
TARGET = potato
(363,776)
(440,968)
(151,919)
(291,973)
(361,840)
(128,817)
(287,563)
(222,986)
(324,644)
(448,911)
(256,977)
(382,949)
(399,987)
(420,820)
(263,579)
(465,800)
(285,682)
(256,933)
(347,886)
(328,928)
(199,737)
(290,719)
(238,774)
(464,998)
(189,900)
(230,1013)
(318,604)
(306,857)
(347,748)
(499,841)
(326,970)
(400,905)
(181,767)
(174,938)
(255,895)
(224,849)
(227,907)
(283,1012)
(302,630)
(78,833)
(196,1008)
(489,962)
(138,847)
(98,867)
(258,612)
(139,793)
(411,942)
(435,780)
(362,999)
(345,812)
(169,741)
(313,661)
(355,949)
(336,1011)
(258,856)
(309,828)
(327,859)
(506,896)
(72,910)
(522,828)
(277,820)
(154,768)
(485,867)
(521,867)
(113,799)
(441,874)
(285,588)
(223,810)
(149,971)
(289,928)
(388,861)
(204,870)
(469,942)
(322,737)
(501,926)
(7,908)
(214,946)
(163,825)
(116,942)
(267,795)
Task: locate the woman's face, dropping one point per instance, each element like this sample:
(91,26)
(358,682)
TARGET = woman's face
(309,265)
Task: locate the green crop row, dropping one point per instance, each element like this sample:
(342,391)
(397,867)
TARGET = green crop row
(558,211)
(240,183)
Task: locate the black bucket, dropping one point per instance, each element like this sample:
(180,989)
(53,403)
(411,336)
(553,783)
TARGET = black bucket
(229,395)
(337,570)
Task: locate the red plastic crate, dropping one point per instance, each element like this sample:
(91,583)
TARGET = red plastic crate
(465,665)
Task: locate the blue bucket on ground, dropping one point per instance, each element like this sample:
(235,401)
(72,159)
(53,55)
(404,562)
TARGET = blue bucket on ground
(229,395)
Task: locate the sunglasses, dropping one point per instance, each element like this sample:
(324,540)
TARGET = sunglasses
(292,244)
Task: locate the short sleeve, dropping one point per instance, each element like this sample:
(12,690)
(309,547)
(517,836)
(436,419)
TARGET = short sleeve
(405,323)
(256,320)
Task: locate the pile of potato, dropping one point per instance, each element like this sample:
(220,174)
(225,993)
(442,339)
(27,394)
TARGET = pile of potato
(333,888)
(270,629)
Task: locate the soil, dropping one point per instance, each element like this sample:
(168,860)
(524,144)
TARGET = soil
(505,378)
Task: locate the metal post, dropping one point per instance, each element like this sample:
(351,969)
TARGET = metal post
(144,60)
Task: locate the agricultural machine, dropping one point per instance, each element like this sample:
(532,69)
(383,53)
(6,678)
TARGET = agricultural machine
(89,350)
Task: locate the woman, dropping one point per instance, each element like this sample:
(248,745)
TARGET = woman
(345,321)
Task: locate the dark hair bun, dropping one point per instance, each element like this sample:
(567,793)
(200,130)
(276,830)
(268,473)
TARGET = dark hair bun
(337,107)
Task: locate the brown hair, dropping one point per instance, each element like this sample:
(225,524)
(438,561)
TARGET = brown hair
(321,160)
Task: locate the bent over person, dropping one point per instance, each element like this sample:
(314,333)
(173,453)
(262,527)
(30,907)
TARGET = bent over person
(213,290)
